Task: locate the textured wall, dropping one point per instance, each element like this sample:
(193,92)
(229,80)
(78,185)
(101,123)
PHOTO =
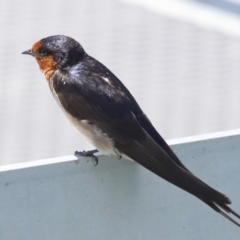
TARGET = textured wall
(185,77)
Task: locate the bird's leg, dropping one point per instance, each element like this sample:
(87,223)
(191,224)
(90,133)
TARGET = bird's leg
(87,154)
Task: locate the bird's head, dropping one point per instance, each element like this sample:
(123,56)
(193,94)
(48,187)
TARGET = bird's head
(56,52)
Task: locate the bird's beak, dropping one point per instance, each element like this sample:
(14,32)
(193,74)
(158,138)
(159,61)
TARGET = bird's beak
(29,52)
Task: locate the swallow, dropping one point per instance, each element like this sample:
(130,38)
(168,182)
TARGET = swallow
(105,112)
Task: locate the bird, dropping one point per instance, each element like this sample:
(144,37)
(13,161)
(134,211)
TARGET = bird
(104,111)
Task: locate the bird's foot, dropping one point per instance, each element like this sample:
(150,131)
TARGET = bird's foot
(87,154)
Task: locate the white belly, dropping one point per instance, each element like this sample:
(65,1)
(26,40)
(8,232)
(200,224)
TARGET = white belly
(95,135)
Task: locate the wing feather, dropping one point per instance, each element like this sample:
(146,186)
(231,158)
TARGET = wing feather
(131,139)
(116,113)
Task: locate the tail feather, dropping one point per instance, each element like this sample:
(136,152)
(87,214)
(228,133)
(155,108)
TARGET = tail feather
(218,208)
(151,156)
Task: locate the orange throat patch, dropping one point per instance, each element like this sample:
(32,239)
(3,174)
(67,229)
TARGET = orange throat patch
(47,65)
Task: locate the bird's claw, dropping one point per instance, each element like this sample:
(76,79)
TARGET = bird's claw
(87,154)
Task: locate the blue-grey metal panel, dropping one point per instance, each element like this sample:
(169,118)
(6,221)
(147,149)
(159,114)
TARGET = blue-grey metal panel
(118,199)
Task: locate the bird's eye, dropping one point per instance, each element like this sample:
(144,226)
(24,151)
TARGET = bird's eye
(43,52)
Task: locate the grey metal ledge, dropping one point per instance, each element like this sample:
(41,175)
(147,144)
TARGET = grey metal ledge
(65,198)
